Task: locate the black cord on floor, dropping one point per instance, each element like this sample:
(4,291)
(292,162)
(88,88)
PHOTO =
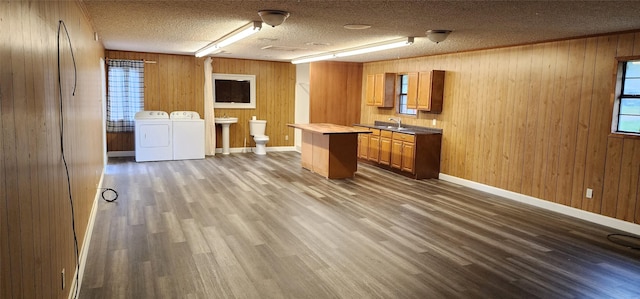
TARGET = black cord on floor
(629,242)
(64,159)
(109,194)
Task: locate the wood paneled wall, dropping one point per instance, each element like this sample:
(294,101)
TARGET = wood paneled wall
(334,92)
(275,100)
(175,82)
(36,240)
(535,120)
(171,82)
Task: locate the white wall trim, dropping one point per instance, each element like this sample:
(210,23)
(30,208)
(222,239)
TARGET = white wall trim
(239,150)
(86,243)
(302,100)
(552,206)
(121,154)
(234,150)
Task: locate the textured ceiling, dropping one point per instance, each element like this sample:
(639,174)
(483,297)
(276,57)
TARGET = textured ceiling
(314,27)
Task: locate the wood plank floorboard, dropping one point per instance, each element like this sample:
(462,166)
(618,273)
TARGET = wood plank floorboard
(247,226)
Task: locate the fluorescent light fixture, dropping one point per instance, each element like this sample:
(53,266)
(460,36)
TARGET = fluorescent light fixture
(230,38)
(377,47)
(313,58)
(211,48)
(396,43)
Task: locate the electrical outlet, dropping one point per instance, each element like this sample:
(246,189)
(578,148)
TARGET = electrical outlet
(433,122)
(286,137)
(62,278)
(589,193)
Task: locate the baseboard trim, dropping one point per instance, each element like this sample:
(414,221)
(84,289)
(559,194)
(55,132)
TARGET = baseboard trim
(86,243)
(240,150)
(552,206)
(115,154)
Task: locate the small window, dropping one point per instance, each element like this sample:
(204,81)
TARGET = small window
(402,96)
(125,95)
(627,107)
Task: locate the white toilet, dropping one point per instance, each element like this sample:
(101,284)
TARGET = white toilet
(256,129)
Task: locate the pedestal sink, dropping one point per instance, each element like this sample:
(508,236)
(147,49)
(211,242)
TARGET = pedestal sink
(225,122)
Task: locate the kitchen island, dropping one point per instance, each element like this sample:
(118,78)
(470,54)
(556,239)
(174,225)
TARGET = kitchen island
(330,150)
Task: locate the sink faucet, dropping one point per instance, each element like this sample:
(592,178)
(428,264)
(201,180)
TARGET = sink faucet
(397,120)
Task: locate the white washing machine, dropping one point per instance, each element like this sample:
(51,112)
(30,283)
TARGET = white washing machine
(153,134)
(188,135)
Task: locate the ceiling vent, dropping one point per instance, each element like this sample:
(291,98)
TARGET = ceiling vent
(282,48)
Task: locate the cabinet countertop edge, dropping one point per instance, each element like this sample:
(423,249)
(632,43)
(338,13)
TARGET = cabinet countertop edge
(412,130)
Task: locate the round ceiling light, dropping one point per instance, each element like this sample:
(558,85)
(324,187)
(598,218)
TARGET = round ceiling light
(273,18)
(437,35)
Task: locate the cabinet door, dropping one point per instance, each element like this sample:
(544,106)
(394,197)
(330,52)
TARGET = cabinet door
(363,146)
(384,90)
(370,90)
(378,91)
(408,156)
(412,92)
(431,91)
(424,91)
(374,148)
(385,151)
(396,153)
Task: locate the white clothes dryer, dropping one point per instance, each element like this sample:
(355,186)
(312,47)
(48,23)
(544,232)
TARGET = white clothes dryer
(188,135)
(153,136)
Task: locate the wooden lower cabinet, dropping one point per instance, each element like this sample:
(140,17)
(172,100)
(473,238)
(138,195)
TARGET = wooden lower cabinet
(408,150)
(385,148)
(403,151)
(369,145)
(374,147)
(363,146)
(413,155)
(396,153)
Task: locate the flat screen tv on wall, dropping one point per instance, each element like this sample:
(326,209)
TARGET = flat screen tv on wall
(234,91)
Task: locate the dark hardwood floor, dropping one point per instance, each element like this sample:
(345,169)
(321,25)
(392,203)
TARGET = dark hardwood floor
(247,226)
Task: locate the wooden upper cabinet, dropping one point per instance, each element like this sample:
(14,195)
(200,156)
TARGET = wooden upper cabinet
(381,90)
(412,93)
(369,94)
(430,91)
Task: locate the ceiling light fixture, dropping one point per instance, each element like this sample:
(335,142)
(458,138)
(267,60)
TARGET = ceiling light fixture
(356,26)
(230,38)
(312,59)
(377,47)
(437,35)
(273,18)
(396,43)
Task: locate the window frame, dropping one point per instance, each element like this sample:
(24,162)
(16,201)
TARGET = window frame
(399,79)
(619,80)
(127,123)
